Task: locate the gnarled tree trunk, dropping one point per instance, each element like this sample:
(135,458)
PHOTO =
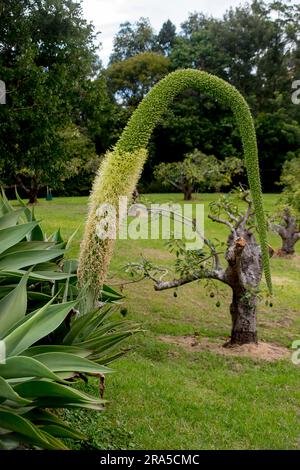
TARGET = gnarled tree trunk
(289,232)
(243,275)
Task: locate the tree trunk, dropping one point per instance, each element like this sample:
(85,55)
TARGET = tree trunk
(32,195)
(187,191)
(243,315)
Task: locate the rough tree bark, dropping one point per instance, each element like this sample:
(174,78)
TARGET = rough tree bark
(289,232)
(243,274)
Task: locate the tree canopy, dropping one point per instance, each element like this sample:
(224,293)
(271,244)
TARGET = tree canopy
(55,82)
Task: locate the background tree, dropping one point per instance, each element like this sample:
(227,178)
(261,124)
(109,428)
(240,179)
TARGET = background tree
(48,61)
(286,222)
(132,39)
(256,48)
(198,172)
(166,37)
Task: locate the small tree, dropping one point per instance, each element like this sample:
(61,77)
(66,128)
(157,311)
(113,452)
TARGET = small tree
(286,223)
(242,273)
(287,226)
(198,170)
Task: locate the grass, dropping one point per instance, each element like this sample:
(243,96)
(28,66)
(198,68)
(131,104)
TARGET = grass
(165,397)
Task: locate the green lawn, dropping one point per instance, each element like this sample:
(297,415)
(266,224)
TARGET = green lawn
(163,396)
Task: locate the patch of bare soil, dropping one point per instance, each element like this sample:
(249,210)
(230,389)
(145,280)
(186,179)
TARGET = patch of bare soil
(262,351)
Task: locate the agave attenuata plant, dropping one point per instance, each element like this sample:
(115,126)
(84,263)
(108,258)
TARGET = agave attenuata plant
(47,348)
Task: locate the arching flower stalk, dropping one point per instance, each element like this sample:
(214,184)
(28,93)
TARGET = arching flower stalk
(120,171)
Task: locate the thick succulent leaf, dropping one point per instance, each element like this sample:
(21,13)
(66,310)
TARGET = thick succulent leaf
(29,246)
(77,327)
(37,325)
(110,327)
(22,366)
(7,207)
(47,266)
(62,431)
(38,389)
(109,295)
(28,431)
(21,259)
(12,235)
(81,327)
(71,238)
(51,276)
(56,237)
(65,362)
(37,233)
(10,219)
(40,416)
(38,296)
(106,359)
(34,275)
(4,290)
(77,350)
(70,266)
(102,344)
(3,209)
(13,306)
(8,393)
(56,402)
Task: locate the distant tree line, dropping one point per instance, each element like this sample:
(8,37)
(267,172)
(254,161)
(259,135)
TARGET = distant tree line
(64,109)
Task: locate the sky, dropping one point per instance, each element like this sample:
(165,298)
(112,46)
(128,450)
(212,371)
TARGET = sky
(107,15)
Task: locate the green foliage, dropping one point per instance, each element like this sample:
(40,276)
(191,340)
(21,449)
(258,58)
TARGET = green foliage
(47,346)
(34,379)
(47,61)
(198,171)
(290,179)
(133,39)
(132,78)
(24,246)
